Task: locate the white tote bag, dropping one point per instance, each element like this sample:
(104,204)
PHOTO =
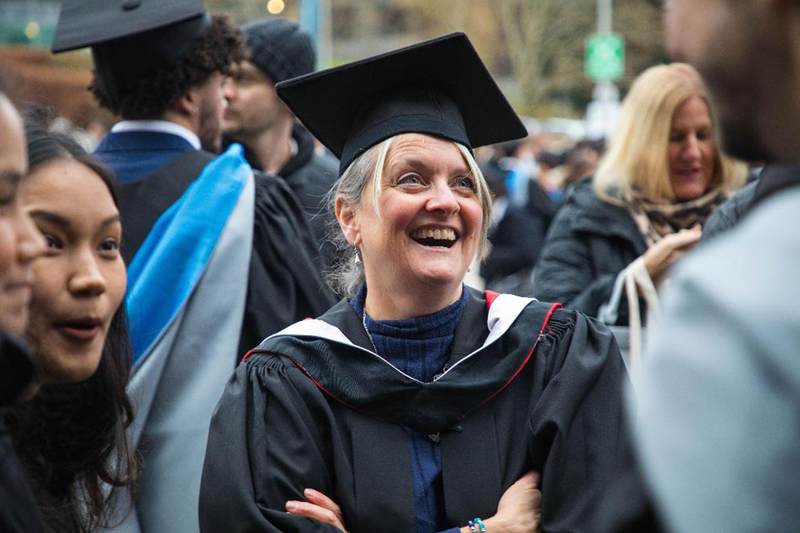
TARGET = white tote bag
(637,284)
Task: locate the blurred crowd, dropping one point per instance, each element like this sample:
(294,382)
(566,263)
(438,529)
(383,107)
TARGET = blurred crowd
(529,180)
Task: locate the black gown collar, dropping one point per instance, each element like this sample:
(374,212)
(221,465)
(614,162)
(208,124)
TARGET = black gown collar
(470,332)
(355,376)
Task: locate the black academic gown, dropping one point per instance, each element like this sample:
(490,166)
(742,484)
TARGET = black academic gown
(310,412)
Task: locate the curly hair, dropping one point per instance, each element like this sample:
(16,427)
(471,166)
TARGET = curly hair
(216,50)
(71,436)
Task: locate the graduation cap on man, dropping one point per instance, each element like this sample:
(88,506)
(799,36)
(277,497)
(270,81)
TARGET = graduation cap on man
(130,38)
(439,87)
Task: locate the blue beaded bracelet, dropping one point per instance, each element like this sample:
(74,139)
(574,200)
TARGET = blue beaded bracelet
(471,525)
(479,524)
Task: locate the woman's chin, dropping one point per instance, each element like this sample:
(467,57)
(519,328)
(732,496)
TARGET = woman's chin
(61,363)
(440,279)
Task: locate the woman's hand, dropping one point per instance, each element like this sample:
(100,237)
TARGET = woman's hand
(520,507)
(668,251)
(318,506)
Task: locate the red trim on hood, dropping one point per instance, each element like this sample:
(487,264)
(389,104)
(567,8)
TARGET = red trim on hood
(525,362)
(491,296)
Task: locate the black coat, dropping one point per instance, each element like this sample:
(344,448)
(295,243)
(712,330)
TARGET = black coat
(304,411)
(518,237)
(729,213)
(589,243)
(310,176)
(18,510)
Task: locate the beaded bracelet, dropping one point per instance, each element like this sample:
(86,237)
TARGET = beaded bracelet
(471,525)
(479,524)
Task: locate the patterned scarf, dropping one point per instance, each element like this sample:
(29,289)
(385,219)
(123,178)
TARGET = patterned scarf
(657,220)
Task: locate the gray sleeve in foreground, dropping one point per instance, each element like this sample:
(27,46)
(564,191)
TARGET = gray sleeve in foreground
(718,425)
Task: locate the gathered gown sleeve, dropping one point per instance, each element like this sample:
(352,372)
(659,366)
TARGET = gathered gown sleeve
(285,266)
(577,425)
(254,465)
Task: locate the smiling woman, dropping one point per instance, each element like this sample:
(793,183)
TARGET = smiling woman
(416,403)
(423,227)
(70,435)
(663,175)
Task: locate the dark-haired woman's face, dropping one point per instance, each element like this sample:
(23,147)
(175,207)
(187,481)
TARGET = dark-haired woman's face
(20,243)
(80,281)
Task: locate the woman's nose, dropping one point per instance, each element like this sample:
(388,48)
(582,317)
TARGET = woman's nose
(87,278)
(443,199)
(692,149)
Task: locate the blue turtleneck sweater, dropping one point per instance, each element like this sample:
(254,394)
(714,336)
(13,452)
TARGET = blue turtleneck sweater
(420,348)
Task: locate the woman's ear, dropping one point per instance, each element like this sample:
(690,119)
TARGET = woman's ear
(348,221)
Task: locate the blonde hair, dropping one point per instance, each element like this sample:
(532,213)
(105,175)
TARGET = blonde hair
(637,156)
(347,275)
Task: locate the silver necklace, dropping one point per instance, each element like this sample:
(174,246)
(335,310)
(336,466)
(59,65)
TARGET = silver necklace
(435,437)
(369,335)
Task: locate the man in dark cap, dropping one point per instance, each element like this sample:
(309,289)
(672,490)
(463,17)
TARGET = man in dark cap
(273,140)
(718,427)
(195,227)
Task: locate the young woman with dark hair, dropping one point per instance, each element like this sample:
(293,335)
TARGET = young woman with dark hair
(71,435)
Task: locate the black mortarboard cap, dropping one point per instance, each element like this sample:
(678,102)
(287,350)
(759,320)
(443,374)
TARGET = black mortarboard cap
(440,87)
(129,38)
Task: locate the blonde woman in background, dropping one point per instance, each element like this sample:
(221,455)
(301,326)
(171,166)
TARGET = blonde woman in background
(663,175)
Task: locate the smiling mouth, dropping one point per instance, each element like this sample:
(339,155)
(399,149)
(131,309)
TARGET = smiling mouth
(689,171)
(443,238)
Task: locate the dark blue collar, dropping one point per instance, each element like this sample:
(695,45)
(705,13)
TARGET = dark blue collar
(427,326)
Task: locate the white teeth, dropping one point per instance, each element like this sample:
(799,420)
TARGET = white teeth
(438,234)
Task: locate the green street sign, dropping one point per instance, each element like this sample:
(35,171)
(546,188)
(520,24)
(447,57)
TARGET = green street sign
(605,56)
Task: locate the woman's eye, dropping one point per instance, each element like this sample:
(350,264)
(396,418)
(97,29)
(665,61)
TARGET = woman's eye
(109,245)
(410,179)
(465,182)
(51,242)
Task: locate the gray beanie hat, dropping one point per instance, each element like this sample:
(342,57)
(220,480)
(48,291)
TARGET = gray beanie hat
(280,48)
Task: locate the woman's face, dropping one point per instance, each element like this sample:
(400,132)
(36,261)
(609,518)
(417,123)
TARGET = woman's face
(428,225)
(80,281)
(20,243)
(691,150)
